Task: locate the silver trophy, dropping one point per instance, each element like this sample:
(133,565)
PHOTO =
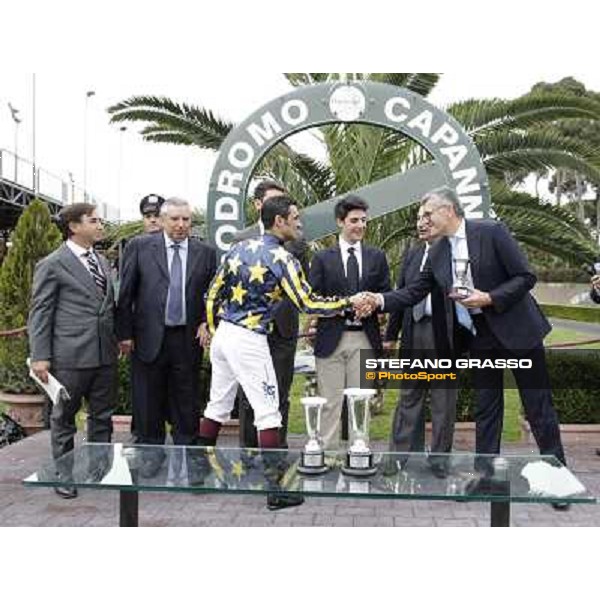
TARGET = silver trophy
(462,289)
(312,460)
(359,460)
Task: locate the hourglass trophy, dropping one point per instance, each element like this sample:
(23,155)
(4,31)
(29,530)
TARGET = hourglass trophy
(312,460)
(359,460)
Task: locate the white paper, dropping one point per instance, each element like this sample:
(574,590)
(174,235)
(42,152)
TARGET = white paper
(547,480)
(119,474)
(54,388)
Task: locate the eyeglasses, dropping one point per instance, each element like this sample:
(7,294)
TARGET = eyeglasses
(426,216)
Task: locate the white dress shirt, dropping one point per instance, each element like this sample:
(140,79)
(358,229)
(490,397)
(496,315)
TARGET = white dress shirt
(344,247)
(459,248)
(428,307)
(80,252)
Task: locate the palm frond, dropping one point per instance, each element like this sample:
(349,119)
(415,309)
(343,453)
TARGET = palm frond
(195,126)
(482,116)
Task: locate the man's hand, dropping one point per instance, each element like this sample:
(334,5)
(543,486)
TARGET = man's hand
(596,282)
(389,346)
(476,299)
(364,304)
(203,335)
(126,347)
(41,368)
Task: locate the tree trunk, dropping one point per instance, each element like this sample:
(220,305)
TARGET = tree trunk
(579,197)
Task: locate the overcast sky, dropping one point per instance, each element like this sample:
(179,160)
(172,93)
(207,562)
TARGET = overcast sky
(123,167)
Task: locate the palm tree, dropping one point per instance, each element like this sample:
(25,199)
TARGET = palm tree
(513,137)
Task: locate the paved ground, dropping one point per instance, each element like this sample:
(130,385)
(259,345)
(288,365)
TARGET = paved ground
(20,506)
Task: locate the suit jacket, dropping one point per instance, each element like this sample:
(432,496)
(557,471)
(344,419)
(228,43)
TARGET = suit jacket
(285,316)
(71,324)
(499,267)
(328,278)
(143,293)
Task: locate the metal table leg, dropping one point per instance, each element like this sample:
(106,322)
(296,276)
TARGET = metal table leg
(500,514)
(128,509)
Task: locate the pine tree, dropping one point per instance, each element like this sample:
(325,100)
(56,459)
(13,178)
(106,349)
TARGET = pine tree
(34,237)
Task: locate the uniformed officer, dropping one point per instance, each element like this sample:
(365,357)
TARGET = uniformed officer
(150,209)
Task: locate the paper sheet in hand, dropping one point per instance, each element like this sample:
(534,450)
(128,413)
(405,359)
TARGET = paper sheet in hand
(547,480)
(54,388)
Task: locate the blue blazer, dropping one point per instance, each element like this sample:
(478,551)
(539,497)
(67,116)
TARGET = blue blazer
(327,278)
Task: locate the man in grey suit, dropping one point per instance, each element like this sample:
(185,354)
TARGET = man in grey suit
(283,339)
(72,333)
(423,336)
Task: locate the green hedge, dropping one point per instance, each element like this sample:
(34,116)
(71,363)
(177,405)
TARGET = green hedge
(575,381)
(586,314)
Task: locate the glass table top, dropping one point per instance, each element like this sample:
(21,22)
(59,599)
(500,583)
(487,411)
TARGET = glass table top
(458,476)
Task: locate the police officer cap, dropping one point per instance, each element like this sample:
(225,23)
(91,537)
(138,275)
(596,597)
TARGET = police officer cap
(151,204)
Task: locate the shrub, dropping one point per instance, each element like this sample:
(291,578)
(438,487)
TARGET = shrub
(34,237)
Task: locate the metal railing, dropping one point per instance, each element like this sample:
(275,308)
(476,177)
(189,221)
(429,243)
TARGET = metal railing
(22,172)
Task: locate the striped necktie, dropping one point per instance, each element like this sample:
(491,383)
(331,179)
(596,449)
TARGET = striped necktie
(95,271)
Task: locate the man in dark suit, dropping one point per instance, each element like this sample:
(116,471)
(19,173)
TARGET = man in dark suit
(283,339)
(343,270)
(499,309)
(71,331)
(161,322)
(424,335)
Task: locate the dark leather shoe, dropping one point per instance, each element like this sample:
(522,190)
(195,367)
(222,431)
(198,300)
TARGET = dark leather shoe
(439,466)
(151,463)
(439,470)
(561,506)
(281,501)
(66,491)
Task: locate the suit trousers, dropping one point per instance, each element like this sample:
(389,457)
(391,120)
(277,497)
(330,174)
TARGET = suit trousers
(335,373)
(408,430)
(99,387)
(283,352)
(537,402)
(167,386)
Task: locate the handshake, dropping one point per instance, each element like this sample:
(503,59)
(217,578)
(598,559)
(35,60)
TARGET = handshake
(365,304)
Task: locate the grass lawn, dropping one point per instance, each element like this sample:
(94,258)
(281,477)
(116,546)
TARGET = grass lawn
(381,424)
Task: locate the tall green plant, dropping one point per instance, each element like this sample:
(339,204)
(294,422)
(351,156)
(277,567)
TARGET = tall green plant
(34,237)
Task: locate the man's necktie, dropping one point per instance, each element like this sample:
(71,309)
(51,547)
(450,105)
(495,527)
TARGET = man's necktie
(353,275)
(464,317)
(175,308)
(96,272)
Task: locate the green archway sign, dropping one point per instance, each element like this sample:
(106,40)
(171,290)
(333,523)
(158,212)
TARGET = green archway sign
(456,161)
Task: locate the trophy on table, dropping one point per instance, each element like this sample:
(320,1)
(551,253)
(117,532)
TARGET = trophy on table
(312,460)
(359,460)
(462,289)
